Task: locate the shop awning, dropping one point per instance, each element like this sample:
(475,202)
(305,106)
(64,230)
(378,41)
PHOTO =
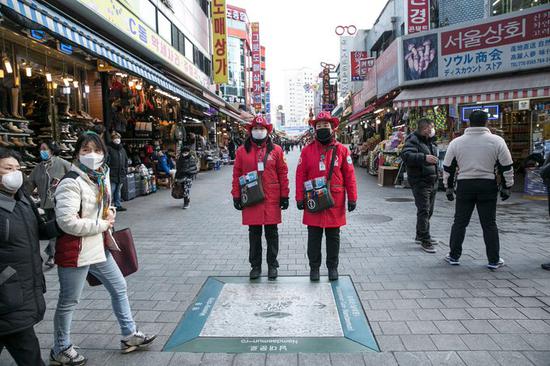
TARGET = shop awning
(490,90)
(62,27)
(374,105)
(231,114)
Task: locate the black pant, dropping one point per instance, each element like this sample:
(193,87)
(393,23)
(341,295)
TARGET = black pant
(480,193)
(23,347)
(314,239)
(255,238)
(424,199)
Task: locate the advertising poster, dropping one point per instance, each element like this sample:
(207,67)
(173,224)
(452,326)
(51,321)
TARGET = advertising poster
(418,16)
(420,57)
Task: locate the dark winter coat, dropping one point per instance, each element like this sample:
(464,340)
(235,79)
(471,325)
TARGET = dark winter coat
(186,166)
(22,283)
(414,155)
(117,162)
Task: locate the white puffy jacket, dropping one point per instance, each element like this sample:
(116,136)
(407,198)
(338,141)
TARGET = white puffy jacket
(76,211)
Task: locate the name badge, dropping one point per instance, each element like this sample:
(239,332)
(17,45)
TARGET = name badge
(322,166)
(260,166)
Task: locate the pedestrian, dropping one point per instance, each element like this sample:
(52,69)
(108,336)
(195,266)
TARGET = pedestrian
(420,157)
(287,147)
(545,173)
(83,211)
(22,282)
(186,169)
(476,154)
(316,162)
(117,161)
(259,154)
(44,178)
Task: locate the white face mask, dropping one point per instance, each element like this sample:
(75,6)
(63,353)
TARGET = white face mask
(12,181)
(432,132)
(116,141)
(92,161)
(259,134)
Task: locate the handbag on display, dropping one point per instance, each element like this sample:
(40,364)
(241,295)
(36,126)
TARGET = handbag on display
(125,257)
(252,191)
(317,191)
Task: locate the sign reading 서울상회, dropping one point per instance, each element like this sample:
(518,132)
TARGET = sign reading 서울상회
(219,42)
(513,42)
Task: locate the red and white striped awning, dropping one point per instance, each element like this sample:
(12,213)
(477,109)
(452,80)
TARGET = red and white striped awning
(485,91)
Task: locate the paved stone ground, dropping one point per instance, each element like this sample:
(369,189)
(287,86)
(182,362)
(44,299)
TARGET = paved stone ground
(422,311)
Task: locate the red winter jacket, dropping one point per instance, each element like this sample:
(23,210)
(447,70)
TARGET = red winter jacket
(274,183)
(342,182)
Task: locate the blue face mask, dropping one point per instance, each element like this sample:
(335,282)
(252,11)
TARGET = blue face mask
(44,154)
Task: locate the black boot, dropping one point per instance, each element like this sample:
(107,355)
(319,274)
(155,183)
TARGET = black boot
(272,273)
(333,274)
(255,273)
(314,274)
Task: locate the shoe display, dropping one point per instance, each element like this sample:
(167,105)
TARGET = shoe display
(497,265)
(255,273)
(30,142)
(12,128)
(314,274)
(2,129)
(333,274)
(135,341)
(67,357)
(428,247)
(29,155)
(17,142)
(7,142)
(272,273)
(451,260)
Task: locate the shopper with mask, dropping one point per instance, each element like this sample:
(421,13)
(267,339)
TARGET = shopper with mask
(274,176)
(186,169)
(420,157)
(315,162)
(21,280)
(118,168)
(45,177)
(83,210)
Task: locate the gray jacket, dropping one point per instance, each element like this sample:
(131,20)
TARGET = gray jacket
(43,176)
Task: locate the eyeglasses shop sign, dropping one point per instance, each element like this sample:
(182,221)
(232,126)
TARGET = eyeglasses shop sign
(499,45)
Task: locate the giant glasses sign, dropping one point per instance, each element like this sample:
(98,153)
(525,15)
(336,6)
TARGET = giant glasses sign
(502,44)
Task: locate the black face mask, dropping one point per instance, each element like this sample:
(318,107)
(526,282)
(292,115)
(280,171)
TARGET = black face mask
(324,135)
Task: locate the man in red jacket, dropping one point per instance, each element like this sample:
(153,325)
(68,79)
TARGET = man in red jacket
(274,176)
(315,162)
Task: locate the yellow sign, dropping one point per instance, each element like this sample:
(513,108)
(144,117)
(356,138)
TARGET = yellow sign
(219,40)
(123,19)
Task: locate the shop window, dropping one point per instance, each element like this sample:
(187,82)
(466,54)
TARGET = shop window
(181,43)
(189,50)
(164,27)
(204,6)
(175,37)
(147,13)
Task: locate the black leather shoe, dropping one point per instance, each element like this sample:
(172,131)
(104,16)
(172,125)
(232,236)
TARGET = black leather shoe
(545,266)
(314,274)
(272,273)
(332,274)
(255,273)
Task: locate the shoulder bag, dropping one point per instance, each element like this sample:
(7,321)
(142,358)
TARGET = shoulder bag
(317,191)
(252,191)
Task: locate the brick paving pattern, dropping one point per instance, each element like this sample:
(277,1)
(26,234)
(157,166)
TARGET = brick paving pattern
(422,311)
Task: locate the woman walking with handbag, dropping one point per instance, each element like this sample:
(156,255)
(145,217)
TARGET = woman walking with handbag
(84,213)
(186,169)
(324,176)
(260,190)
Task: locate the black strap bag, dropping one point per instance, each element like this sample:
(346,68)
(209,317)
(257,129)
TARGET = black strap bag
(252,191)
(317,191)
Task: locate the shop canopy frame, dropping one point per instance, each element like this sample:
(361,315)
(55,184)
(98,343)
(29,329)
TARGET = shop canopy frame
(77,35)
(529,86)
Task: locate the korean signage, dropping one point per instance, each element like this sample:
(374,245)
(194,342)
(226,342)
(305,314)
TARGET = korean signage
(418,16)
(219,42)
(256,67)
(326,87)
(130,25)
(268,101)
(345,74)
(510,43)
(236,14)
(361,63)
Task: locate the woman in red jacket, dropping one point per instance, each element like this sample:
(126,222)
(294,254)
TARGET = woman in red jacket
(315,162)
(274,175)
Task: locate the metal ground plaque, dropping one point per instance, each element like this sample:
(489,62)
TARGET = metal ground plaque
(289,315)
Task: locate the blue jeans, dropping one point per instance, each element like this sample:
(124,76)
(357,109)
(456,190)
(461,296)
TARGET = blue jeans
(115,191)
(72,280)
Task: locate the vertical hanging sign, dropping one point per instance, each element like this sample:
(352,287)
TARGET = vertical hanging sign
(256,67)
(418,16)
(219,41)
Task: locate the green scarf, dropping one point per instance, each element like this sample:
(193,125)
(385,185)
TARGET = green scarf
(103,197)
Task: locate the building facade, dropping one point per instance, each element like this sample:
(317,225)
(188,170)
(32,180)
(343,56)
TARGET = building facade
(300,87)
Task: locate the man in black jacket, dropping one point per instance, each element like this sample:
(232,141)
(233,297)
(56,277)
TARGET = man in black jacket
(118,168)
(22,283)
(420,156)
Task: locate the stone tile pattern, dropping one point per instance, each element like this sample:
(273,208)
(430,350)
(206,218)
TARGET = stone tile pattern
(422,311)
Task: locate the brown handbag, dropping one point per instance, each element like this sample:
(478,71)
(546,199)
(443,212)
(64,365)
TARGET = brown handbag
(126,258)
